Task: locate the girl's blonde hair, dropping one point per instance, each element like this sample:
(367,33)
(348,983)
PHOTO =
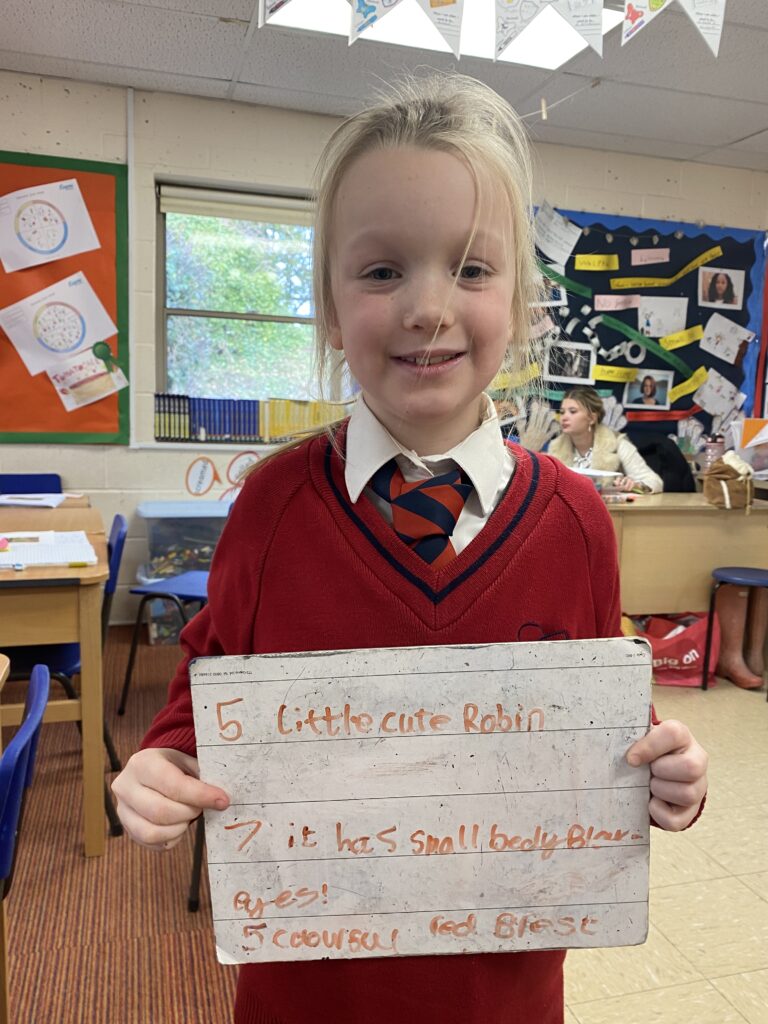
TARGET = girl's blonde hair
(457,115)
(588,398)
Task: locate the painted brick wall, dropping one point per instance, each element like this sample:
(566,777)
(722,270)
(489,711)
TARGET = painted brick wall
(213,142)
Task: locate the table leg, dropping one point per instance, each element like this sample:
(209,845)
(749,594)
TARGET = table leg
(92,718)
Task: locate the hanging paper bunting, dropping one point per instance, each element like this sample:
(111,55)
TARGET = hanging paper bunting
(512,16)
(269,7)
(366,13)
(708,17)
(446,16)
(586,16)
(638,14)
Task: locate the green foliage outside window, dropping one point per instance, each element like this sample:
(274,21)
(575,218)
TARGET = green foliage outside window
(216,264)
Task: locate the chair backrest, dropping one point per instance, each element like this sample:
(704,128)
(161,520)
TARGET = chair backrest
(115,545)
(34,483)
(665,458)
(17,764)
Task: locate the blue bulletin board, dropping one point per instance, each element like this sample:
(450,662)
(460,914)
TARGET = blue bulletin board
(694,300)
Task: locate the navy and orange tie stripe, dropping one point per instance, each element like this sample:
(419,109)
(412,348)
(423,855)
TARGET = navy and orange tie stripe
(425,512)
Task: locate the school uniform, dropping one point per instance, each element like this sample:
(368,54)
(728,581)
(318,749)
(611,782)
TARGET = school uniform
(309,561)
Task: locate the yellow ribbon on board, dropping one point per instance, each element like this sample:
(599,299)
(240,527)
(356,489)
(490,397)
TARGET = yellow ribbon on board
(680,338)
(596,261)
(616,373)
(692,384)
(514,379)
(662,282)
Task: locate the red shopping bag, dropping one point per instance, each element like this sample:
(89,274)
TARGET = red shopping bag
(677,645)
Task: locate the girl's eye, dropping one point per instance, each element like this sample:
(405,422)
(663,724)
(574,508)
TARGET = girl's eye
(381,274)
(473,272)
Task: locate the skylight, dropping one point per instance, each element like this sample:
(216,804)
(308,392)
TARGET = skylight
(548,42)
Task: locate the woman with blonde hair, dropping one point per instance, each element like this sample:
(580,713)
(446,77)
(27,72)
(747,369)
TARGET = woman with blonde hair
(586,443)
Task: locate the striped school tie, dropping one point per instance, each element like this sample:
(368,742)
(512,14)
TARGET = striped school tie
(425,512)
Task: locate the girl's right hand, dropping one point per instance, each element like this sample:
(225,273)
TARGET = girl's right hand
(159,794)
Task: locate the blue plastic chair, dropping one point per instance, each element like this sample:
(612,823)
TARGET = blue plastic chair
(188,588)
(30,483)
(741,577)
(17,764)
(64,659)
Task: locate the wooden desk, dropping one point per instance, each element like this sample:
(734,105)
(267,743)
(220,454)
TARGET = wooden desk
(670,543)
(52,605)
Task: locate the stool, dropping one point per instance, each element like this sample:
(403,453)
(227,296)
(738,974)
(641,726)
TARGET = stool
(740,577)
(189,587)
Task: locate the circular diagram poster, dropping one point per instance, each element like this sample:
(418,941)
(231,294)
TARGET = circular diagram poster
(44,223)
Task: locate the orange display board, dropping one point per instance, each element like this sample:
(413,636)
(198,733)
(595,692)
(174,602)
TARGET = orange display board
(31,411)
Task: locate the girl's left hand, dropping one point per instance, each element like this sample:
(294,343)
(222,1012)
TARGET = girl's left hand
(678,773)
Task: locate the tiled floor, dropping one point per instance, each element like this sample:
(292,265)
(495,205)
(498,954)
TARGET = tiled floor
(706,959)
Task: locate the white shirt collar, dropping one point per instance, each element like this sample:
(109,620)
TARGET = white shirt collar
(482,455)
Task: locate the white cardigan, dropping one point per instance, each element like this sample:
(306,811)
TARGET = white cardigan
(611,448)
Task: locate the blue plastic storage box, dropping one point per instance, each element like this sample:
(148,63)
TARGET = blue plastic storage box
(181,536)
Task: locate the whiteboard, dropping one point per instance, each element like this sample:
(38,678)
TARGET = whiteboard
(426,800)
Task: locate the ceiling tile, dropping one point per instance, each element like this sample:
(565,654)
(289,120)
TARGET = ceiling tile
(241,10)
(758,143)
(748,12)
(124,35)
(645,112)
(59,67)
(618,143)
(671,54)
(312,63)
(734,158)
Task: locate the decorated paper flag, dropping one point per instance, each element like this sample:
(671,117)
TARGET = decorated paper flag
(269,7)
(366,13)
(638,14)
(707,16)
(512,16)
(446,16)
(586,16)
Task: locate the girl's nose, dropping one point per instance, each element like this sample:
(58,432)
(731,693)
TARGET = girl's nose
(428,307)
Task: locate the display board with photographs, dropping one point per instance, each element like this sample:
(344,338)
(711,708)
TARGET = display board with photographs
(667,317)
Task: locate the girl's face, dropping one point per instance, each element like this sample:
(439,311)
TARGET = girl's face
(721,284)
(423,333)
(647,386)
(575,420)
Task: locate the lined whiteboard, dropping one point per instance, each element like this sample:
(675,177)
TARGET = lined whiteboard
(426,800)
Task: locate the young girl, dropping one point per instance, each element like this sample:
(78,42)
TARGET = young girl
(424,269)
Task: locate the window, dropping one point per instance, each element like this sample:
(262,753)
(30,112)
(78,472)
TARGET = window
(237,314)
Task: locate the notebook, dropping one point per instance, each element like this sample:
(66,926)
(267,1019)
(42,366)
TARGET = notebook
(47,547)
(33,500)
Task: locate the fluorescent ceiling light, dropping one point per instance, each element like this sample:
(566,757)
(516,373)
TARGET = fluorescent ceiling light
(548,42)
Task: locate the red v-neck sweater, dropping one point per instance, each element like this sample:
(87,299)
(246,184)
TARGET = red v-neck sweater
(299,568)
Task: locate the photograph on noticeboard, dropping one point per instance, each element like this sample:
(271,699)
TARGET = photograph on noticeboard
(649,390)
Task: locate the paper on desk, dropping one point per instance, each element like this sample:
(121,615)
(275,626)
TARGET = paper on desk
(47,547)
(33,500)
(596,472)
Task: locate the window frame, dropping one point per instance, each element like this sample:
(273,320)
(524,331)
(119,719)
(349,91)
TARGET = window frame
(208,199)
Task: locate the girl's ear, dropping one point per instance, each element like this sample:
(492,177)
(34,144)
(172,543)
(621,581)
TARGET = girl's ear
(334,338)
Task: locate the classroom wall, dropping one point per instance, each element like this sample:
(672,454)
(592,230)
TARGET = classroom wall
(217,143)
